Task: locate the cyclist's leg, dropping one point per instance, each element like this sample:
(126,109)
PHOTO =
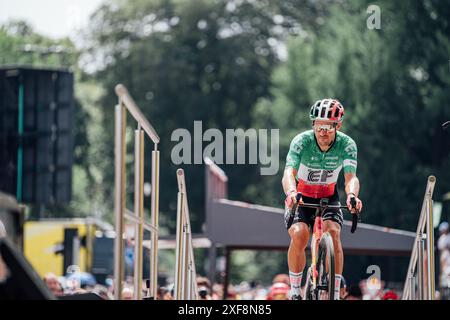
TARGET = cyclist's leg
(299,233)
(332,224)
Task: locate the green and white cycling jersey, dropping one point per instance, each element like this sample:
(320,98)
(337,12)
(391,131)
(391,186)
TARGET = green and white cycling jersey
(318,171)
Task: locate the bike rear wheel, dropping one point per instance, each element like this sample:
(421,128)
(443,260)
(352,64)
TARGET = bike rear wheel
(325,261)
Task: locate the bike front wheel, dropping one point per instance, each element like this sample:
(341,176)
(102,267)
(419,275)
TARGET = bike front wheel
(309,290)
(325,265)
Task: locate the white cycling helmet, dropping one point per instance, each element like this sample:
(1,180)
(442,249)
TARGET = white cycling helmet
(328,110)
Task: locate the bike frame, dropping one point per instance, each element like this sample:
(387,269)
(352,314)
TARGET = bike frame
(318,232)
(318,228)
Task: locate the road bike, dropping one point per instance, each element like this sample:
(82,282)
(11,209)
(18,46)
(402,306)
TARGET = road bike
(320,278)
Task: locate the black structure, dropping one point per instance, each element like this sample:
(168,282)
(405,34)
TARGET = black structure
(36,141)
(103,258)
(22,282)
(12,217)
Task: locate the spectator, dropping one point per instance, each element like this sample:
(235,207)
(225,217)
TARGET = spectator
(282,277)
(354,293)
(109,283)
(231,293)
(204,293)
(390,295)
(161,292)
(102,291)
(443,245)
(204,288)
(217,291)
(372,288)
(279,291)
(52,283)
(169,295)
(127,293)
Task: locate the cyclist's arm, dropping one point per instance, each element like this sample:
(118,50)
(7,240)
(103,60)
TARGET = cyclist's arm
(351,184)
(352,187)
(289,182)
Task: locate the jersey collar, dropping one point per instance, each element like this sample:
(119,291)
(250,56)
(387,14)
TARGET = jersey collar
(331,146)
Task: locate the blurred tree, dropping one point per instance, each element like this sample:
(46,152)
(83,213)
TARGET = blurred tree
(20,44)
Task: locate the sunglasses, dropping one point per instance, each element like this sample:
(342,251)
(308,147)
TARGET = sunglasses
(324,127)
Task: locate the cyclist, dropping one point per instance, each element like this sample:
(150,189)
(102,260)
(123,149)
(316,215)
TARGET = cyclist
(313,163)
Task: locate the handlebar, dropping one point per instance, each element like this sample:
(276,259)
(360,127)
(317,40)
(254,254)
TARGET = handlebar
(324,205)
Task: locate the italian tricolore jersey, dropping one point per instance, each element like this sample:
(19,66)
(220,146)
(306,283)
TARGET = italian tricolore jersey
(317,171)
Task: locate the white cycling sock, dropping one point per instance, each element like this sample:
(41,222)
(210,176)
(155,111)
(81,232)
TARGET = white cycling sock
(337,286)
(296,282)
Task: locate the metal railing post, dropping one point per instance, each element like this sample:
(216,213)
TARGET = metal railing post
(154,222)
(137,217)
(119,197)
(430,251)
(412,288)
(185,274)
(186,257)
(425,287)
(139,210)
(420,249)
(179,254)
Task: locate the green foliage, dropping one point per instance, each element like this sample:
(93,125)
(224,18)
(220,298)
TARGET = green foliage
(20,44)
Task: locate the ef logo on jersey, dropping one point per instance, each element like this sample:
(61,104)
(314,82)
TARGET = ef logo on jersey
(319,175)
(314,175)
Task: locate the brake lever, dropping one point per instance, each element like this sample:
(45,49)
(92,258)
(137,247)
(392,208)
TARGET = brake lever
(293,211)
(355,216)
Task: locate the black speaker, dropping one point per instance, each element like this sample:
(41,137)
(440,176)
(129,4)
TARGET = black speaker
(103,258)
(22,282)
(36,140)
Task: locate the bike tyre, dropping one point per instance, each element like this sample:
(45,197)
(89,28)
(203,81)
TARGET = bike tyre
(326,256)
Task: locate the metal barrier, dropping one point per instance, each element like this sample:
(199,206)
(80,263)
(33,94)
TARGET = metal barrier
(425,269)
(185,273)
(126,103)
